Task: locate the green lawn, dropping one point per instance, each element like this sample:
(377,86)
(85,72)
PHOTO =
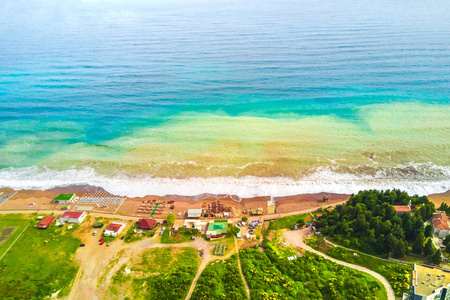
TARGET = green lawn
(220,280)
(15,222)
(160,273)
(288,221)
(398,275)
(40,263)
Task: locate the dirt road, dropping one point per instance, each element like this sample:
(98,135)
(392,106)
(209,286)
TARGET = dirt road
(295,238)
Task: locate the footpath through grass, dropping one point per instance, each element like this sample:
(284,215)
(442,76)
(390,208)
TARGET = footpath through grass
(160,273)
(220,280)
(397,275)
(40,263)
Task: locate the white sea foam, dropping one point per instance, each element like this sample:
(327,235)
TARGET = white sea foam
(321,180)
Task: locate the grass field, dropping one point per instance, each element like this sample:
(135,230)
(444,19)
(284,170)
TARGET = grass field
(175,238)
(398,275)
(220,280)
(288,221)
(160,273)
(40,263)
(11,225)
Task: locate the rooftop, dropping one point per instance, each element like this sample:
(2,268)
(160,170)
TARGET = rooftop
(115,227)
(218,227)
(441,216)
(46,222)
(440,224)
(194,213)
(72,214)
(401,208)
(425,284)
(64,197)
(146,223)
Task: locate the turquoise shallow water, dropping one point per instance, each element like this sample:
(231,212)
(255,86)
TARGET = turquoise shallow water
(184,89)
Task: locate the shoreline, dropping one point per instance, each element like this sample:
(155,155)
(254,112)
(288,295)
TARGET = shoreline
(238,206)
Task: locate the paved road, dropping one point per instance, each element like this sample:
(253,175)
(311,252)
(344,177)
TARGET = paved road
(296,238)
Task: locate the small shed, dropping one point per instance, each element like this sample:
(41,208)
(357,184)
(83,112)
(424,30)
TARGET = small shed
(114,229)
(194,213)
(47,221)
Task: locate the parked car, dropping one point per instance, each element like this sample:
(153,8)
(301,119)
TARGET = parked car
(101,240)
(82,245)
(122,237)
(95,233)
(109,244)
(152,234)
(101,243)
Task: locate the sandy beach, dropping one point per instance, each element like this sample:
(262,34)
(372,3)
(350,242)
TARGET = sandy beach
(179,205)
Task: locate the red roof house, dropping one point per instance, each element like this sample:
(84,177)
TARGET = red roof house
(46,222)
(114,229)
(146,224)
(441,217)
(73,217)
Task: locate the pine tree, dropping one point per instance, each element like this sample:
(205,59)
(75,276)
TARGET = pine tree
(437,258)
(417,246)
(399,249)
(428,250)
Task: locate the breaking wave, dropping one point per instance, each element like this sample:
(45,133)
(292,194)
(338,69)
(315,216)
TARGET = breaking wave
(421,179)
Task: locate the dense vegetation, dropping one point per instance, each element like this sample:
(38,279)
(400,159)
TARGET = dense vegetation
(40,263)
(220,280)
(368,221)
(398,275)
(270,275)
(160,273)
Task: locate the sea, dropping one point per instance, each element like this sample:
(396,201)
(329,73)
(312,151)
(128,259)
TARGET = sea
(246,98)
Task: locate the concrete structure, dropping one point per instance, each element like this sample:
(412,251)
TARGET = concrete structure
(429,283)
(64,198)
(199,224)
(194,213)
(47,221)
(113,229)
(441,225)
(73,217)
(146,224)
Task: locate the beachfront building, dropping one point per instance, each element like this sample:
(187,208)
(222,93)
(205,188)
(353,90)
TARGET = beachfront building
(113,229)
(198,224)
(217,229)
(441,225)
(47,221)
(194,213)
(72,217)
(64,199)
(145,224)
(429,283)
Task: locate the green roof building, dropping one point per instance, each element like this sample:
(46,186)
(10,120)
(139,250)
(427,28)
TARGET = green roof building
(216,228)
(64,198)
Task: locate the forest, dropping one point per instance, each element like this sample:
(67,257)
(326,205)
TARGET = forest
(369,222)
(309,276)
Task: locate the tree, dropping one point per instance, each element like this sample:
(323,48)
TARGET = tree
(399,249)
(428,250)
(437,258)
(244,219)
(170,219)
(417,246)
(428,230)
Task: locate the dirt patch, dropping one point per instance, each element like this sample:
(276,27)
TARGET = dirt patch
(6,232)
